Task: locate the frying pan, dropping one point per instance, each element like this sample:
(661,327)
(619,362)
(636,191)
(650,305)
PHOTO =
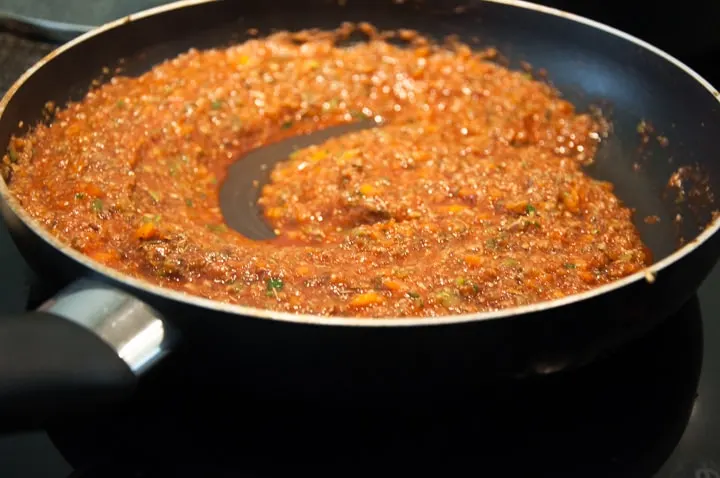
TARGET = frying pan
(88,345)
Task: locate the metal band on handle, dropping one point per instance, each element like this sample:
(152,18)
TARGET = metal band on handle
(133,329)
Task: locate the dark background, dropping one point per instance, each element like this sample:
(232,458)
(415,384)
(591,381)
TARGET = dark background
(686,28)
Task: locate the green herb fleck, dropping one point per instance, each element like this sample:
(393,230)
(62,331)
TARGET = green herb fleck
(447,298)
(174,167)
(97,205)
(155,196)
(377,283)
(491,243)
(465,284)
(216,104)
(357,114)
(274,285)
(12,155)
(79,195)
(530,209)
(286,125)
(625,257)
(218,228)
(569,265)
(331,105)
(510,262)
(189,202)
(151,218)
(120,104)
(213,179)
(419,302)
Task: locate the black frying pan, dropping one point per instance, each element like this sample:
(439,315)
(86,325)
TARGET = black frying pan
(89,344)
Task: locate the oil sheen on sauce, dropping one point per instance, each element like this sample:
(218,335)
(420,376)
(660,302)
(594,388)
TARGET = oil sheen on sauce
(470,197)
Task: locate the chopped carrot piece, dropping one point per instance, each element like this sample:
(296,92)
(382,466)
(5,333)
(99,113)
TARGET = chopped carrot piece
(571,200)
(318,155)
(456,208)
(366,299)
(473,260)
(517,206)
(92,190)
(466,193)
(421,156)
(103,256)
(146,231)
(311,64)
(494,193)
(393,285)
(367,189)
(422,52)
(348,155)
(587,276)
(274,212)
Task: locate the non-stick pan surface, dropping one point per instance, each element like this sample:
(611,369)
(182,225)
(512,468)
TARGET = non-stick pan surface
(315,358)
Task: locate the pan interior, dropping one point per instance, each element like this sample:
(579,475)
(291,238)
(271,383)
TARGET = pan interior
(596,69)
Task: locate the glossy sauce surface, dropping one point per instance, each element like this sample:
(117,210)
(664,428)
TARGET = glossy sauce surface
(469,197)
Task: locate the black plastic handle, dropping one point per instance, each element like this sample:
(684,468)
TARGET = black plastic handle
(51,367)
(48,30)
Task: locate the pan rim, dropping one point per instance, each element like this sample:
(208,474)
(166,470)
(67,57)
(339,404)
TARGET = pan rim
(258,313)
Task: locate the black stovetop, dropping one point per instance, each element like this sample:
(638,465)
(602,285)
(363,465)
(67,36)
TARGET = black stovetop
(651,409)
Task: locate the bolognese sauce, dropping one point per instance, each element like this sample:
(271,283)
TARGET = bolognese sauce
(468,196)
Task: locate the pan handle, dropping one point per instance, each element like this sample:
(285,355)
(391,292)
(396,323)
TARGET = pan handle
(48,30)
(83,348)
